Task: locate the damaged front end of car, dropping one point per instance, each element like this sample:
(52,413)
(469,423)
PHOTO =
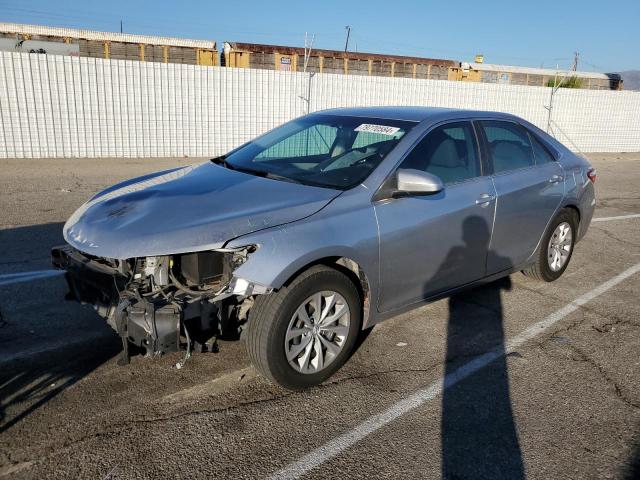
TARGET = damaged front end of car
(162,304)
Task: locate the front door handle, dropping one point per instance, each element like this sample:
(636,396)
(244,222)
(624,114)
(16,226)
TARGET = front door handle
(485,199)
(556,178)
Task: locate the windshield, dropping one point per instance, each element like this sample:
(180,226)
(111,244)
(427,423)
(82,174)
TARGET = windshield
(324,150)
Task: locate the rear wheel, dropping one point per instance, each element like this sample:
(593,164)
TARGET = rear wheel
(303,333)
(556,248)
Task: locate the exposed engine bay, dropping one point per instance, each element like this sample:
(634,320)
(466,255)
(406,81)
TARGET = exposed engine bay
(165,303)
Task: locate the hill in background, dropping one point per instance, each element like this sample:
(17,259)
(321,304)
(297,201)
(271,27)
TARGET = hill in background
(631,79)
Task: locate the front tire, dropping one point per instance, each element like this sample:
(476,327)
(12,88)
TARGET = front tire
(302,334)
(556,248)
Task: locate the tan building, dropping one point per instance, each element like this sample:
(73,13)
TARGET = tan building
(122,46)
(283,58)
(540,77)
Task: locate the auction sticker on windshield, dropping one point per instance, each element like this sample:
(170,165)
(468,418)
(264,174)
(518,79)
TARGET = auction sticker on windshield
(383,129)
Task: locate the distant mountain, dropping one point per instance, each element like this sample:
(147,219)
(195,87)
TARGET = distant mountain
(631,79)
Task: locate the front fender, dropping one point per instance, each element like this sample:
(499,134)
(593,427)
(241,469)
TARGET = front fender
(342,229)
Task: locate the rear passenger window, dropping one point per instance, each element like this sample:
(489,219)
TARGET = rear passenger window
(448,152)
(541,153)
(509,146)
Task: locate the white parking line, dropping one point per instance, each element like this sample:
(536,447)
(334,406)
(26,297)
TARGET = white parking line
(336,446)
(619,217)
(9,278)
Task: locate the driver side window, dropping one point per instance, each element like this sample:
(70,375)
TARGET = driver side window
(449,152)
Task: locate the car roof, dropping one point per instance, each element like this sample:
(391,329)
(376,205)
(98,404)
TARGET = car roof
(414,114)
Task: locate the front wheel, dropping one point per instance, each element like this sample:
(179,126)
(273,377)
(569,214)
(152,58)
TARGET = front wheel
(556,248)
(303,333)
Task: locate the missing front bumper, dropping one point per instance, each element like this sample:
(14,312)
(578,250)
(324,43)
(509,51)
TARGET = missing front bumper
(154,327)
(89,281)
(157,319)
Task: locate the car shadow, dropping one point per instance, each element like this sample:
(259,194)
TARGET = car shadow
(29,248)
(40,358)
(631,468)
(29,384)
(479,438)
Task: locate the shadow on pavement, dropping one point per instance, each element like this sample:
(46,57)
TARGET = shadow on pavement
(478,432)
(29,248)
(26,317)
(631,469)
(27,385)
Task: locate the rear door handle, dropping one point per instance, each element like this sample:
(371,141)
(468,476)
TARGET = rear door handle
(556,178)
(485,199)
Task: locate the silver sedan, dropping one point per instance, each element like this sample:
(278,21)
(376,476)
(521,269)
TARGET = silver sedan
(323,227)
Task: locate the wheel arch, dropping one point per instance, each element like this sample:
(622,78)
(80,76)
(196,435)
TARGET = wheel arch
(564,206)
(573,207)
(351,269)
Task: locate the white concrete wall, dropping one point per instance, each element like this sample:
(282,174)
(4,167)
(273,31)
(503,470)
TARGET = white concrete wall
(55,106)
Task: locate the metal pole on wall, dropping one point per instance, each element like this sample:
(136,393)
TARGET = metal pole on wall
(308,45)
(308,99)
(550,107)
(554,89)
(307,50)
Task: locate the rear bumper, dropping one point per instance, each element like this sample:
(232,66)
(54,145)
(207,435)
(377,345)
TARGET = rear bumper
(587,209)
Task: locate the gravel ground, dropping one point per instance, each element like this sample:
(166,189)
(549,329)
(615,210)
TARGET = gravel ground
(565,404)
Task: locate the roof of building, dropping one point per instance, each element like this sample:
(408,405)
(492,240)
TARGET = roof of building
(285,50)
(22,28)
(488,67)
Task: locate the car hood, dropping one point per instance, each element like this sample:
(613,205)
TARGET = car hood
(195,208)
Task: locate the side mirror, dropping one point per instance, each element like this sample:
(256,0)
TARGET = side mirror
(417,182)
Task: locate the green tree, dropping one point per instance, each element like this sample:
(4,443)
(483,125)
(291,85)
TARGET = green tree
(564,82)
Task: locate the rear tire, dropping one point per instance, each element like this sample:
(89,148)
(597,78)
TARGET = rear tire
(556,248)
(283,322)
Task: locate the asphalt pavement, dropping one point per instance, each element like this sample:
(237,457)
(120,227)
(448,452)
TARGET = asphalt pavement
(516,379)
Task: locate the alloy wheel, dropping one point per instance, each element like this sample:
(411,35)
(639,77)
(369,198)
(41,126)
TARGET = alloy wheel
(559,247)
(317,332)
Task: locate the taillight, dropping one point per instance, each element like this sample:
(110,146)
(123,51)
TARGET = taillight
(592,174)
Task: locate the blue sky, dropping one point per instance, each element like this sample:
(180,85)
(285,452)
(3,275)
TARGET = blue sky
(540,33)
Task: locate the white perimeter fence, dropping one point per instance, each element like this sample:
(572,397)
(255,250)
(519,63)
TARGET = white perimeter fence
(56,106)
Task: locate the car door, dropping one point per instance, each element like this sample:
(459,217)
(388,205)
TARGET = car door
(432,243)
(529,192)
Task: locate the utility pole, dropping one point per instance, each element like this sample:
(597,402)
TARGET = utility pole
(346,44)
(576,55)
(120,26)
